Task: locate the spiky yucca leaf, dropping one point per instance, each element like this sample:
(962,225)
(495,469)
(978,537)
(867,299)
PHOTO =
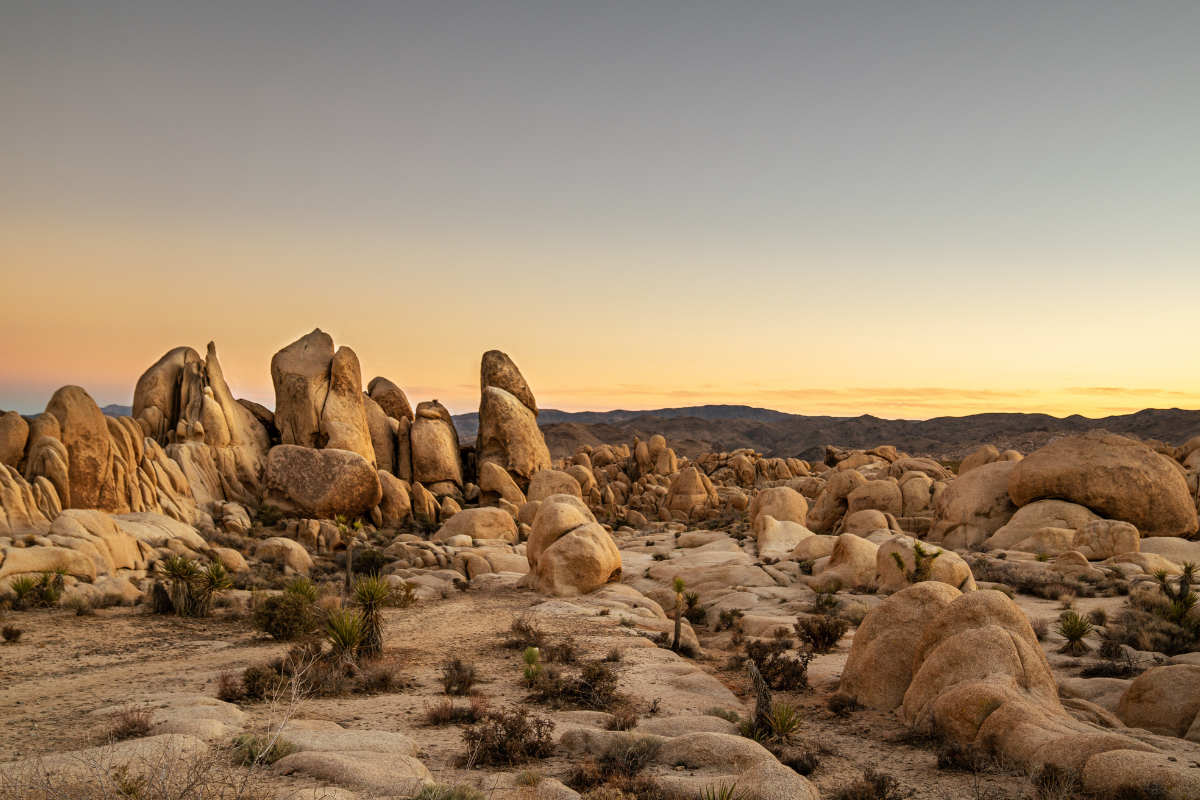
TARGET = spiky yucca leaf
(345,631)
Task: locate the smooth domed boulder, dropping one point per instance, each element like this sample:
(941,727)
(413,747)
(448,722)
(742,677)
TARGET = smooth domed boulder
(509,436)
(434,443)
(851,565)
(882,496)
(984,455)
(1116,477)
(548,482)
(38,559)
(85,436)
(1174,550)
(1105,538)
(300,373)
(831,504)
(497,370)
(395,504)
(814,547)
(1126,769)
(781,503)
(1037,515)
(865,522)
(1163,700)
(779,538)
(391,398)
(690,488)
(496,484)
(14,431)
(973,507)
(479,523)
(1051,541)
(879,667)
(287,552)
(118,547)
(568,552)
(948,567)
(321,484)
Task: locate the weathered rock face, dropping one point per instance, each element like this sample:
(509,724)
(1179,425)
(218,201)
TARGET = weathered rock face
(831,503)
(779,538)
(851,565)
(1038,515)
(85,436)
(300,373)
(1164,700)
(1116,477)
(14,431)
(974,506)
(26,508)
(479,523)
(551,482)
(882,496)
(496,484)
(395,507)
(568,552)
(391,398)
(879,668)
(984,455)
(321,483)
(158,399)
(343,417)
(383,435)
(509,436)
(1105,538)
(781,503)
(948,567)
(689,489)
(499,371)
(434,440)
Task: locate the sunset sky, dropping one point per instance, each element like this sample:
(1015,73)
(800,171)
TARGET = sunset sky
(902,209)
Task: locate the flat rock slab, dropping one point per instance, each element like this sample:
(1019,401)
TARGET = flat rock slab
(321,741)
(385,773)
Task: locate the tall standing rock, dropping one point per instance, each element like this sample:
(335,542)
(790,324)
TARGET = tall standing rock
(383,435)
(300,373)
(343,417)
(85,437)
(14,432)
(158,401)
(435,457)
(508,433)
(391,398)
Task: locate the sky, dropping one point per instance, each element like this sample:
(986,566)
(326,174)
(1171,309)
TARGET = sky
(901,209)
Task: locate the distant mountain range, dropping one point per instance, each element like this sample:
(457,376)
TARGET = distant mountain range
(468,424)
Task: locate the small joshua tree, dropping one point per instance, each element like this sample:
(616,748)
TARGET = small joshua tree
(1182,598)
(922,564)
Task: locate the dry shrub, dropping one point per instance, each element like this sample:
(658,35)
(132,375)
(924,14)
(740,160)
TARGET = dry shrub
(508,737)
(619,767)
(564,652)
(778,669)
(873,786)
(843,705)
(11,633)
(623,719)
(261,682)
(822,632)
(595,686)
(614,654)
(129,722)
(524,632)
(445,712)
(229,687)
(1041,628)
(458,676)
(1054,783)
(378,675)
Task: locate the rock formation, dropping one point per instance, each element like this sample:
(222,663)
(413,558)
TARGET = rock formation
(508,433)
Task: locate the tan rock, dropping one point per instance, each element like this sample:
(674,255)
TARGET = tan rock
(1117,477)
(285,551)
(1105,538)
(851,564)
(321,483)
(1051,541)
(300,373)
(395,505)
(831,503)
(1037,515)
(23,560)
(479,523)
(157,398)
(383,435)
(780,503)
(882,496)
(508,433)
(878,670)
(496,483)
(779,538)
(435,456)
(984,455)
(85,436)
(948,567)
(1126,768)
(549,482)
(974,507)
(14,431)
(498,370)
(1163,700)
(690,488)
(568,552)
(391,399)
(424,504)
(344,416)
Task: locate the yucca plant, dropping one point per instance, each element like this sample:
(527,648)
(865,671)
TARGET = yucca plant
(303,588)
(178,573)
(784,721)
(371,595)
(22,587)
(532,667)
(208,583)
(1180,594)
(1072,627)
(694,613)
(345,631)
(723,791)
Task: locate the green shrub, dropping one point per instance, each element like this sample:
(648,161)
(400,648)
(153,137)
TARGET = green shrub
(725,714)
(302,587)
(1074,628)
(729,618)
(369,562)
(778,669)
(255,750)
(260,682)
(345,632)
(285,616)
(269,515)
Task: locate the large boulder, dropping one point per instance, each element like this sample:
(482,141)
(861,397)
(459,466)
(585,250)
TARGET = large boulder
(117,547)
(383,435)
(496,484)
(1116,477)
(395,506)
(24,560)
(25,508)
(780,503)
(14,431)
(984,455)
(948,567)
(287,552)
(300,373)
(479,523)
(344,417)
(779,538)
(496,369)
(509,436)
(882,496)
(1038,515)
(1164,700)
(879,667)
(851,565)
(973,507)
(690,488)
(1105,538)
(435,456)
(158,399)
(549,482)
(391,399)
(321,484)
(568,552)
(831,503)
(85,436)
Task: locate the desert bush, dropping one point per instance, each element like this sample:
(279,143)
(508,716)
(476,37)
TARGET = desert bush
(111,600)
(264,750)
(260,682)
(802,760)
(723,791)
(873,786)
(443,791)
(129,722)
(784,720)
(595,686)
(729,618)
(345,632)
(825,603)
(1098,617)
(370,596)
(508,737)
(1041,628)
(564,652)
(1051,782)
(369,562)
(725,714)
(268,515)
(458,676)
(778,669)
(1153,790)
(11,634)
(378,675)
(821,633)
(842,705)
(524,633)
(80,605)
(190,588)
(43,591)
(444,711)
(285,616)
(614,654)
(302,587)
(693,612)
(529,777)
(623,719)
(229,687)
